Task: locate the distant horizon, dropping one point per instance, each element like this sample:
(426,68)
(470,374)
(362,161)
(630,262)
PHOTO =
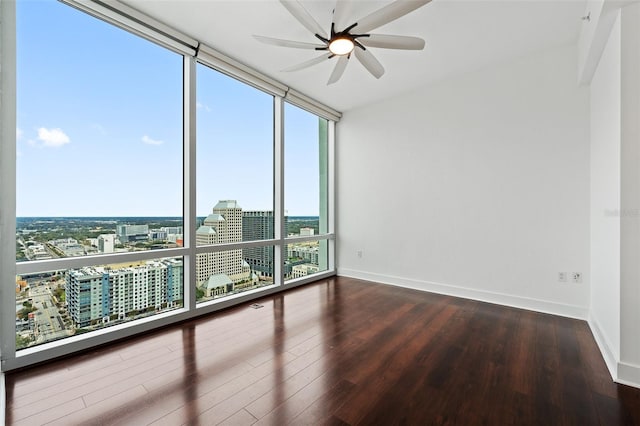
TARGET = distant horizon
(139,217)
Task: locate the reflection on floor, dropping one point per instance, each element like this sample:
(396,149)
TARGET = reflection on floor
(339,351)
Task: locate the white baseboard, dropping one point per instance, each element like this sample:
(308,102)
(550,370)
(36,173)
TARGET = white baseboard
(607,351)
(3,401)
(544,306)
(628,374)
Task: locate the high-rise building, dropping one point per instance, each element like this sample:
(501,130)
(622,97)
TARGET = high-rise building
(106,243)
(132,233)
(102,294)
(258,225)
(223,225)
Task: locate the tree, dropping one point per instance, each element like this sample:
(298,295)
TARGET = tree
(22,342)
(199,293)
(23,313)
(59,294)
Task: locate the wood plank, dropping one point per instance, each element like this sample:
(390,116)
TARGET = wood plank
(339,351)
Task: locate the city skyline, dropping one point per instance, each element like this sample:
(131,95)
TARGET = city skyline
(61,303)
(51,237)
(146,216)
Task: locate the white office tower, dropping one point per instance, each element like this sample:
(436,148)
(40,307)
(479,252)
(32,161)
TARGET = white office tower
(106,243)
(223,225)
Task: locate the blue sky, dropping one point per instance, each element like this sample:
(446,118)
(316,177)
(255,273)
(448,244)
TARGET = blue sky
(99,129)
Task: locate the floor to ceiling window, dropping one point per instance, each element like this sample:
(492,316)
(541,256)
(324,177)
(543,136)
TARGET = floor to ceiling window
(235,186)
(98,175)
(306,206)
(150,187)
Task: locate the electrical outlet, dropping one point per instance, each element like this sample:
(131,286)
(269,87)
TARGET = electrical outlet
(562,277)
(576,277)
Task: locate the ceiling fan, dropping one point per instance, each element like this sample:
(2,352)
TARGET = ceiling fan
(355,38)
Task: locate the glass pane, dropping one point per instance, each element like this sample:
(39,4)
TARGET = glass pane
(304,259)
(305,152)
(63,303)
(99,139)
(234,184)
(234,155)
(230,272)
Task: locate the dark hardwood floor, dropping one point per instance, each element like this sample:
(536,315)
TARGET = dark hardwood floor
(340,351)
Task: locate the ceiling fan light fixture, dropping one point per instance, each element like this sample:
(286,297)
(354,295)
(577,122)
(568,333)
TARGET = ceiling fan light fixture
(341,46)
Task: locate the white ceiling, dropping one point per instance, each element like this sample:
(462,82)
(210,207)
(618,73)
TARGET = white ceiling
(461,35)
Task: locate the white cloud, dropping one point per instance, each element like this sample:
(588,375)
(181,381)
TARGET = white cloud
(52,138)
(19,133)
(146,139)
(200,105)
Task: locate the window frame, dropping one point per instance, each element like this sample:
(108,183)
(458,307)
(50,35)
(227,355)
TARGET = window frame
(129,19)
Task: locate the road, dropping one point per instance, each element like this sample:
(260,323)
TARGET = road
(49,323)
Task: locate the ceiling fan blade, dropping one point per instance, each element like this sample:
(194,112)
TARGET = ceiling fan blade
(392,42)
(288,43)
(300,13)
(308,63)
(341,13)
(338,70)
(388,13)
(369,61)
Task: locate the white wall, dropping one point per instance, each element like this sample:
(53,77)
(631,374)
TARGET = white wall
(615,189)
(477,186)
(605,199)
(629,366)
(587,56)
